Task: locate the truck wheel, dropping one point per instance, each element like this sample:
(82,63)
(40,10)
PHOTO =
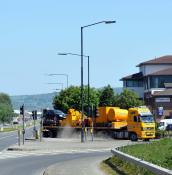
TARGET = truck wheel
(54,134)
(45,134)
(133,137)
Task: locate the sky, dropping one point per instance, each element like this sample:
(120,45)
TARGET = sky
(32,32)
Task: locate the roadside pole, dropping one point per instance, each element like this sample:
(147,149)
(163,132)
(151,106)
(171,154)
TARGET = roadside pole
(22,113)
(41,127)
(18,137)
(92,126)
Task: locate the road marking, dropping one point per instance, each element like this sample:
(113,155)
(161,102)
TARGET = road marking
(18,154)
(6,137)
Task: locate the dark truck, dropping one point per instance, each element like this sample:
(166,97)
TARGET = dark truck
(51,122)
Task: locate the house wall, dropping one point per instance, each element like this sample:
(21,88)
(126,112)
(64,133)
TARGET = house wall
(148,69)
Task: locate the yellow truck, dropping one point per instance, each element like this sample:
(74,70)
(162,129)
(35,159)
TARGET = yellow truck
(134,123)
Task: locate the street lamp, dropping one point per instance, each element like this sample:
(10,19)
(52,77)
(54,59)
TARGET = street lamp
(66,75)
(82,97)
(57,83)
(88,74)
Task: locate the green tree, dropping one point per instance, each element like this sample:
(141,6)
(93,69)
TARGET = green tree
(107,96)
(71,98)
(127,99)
(6,111)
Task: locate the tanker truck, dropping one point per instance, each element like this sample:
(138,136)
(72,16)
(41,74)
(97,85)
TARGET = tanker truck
(134,123)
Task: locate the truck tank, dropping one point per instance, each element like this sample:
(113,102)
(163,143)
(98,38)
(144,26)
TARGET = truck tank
(111,114)
(116,114)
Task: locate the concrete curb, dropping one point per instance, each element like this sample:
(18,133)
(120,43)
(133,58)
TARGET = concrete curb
(20,149)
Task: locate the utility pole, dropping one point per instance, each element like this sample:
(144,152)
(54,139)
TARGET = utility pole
(22,113)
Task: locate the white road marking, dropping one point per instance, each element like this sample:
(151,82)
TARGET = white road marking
(6,137)
(18,154)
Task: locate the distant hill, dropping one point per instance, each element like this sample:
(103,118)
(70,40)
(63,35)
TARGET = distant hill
(40,101)
(118,90)
(33,102)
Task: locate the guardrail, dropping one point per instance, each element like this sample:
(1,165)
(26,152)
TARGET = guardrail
(152,167)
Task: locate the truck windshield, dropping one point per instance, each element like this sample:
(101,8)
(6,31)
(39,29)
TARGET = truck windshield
(161,124)
(147,118)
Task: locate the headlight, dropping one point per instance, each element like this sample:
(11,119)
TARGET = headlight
(147,128)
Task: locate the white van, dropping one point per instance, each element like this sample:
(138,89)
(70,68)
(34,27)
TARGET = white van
(163,124)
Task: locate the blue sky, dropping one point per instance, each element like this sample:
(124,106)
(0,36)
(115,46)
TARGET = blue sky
(33,32)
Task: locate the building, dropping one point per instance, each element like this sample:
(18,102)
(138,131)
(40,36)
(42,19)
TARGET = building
(153,84)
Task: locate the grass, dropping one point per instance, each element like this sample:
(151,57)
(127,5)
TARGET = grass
(9,129)
(117,166)
(16,127)
(157,152)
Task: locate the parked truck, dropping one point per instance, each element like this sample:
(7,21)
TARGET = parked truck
(134,123)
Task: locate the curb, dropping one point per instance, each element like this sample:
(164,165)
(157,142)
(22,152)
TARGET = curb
(20,149)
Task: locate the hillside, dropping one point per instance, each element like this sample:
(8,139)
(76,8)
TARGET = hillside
(39,101)
(33,102)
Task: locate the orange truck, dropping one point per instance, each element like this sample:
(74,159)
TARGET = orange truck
(134,123)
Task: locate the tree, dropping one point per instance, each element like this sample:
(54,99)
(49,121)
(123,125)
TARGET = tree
(127,99)
(107,96)
(71,98)
(6,111)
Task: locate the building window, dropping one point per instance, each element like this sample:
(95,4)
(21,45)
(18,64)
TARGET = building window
(158,81)
(134,83)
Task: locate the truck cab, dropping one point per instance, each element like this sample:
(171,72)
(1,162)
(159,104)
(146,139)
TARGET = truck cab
(141,124)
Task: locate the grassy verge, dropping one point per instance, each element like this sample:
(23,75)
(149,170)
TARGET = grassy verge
(117,166)
(9,129)
(157,152)
(19,126)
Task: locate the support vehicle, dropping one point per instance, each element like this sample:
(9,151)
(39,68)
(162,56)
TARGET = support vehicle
(164,123)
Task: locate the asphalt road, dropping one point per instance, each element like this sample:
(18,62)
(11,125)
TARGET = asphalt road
(66,163)
(10,138)
(7,139)
(71,164)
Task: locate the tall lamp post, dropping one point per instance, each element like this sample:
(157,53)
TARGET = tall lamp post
(66,75)
(88,74)
(82,97)
(57,83)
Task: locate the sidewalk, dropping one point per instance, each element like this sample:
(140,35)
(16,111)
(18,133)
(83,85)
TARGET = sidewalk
(71,145)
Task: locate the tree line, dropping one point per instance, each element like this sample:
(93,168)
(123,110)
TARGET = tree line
(71,98)
(6,110)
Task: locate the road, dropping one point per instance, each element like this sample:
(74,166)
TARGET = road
(71,164)
(76,159)
(10,138)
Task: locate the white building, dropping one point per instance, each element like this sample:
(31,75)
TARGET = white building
(152,82)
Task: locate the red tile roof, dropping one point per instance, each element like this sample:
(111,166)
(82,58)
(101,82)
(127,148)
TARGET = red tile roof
(161,60)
